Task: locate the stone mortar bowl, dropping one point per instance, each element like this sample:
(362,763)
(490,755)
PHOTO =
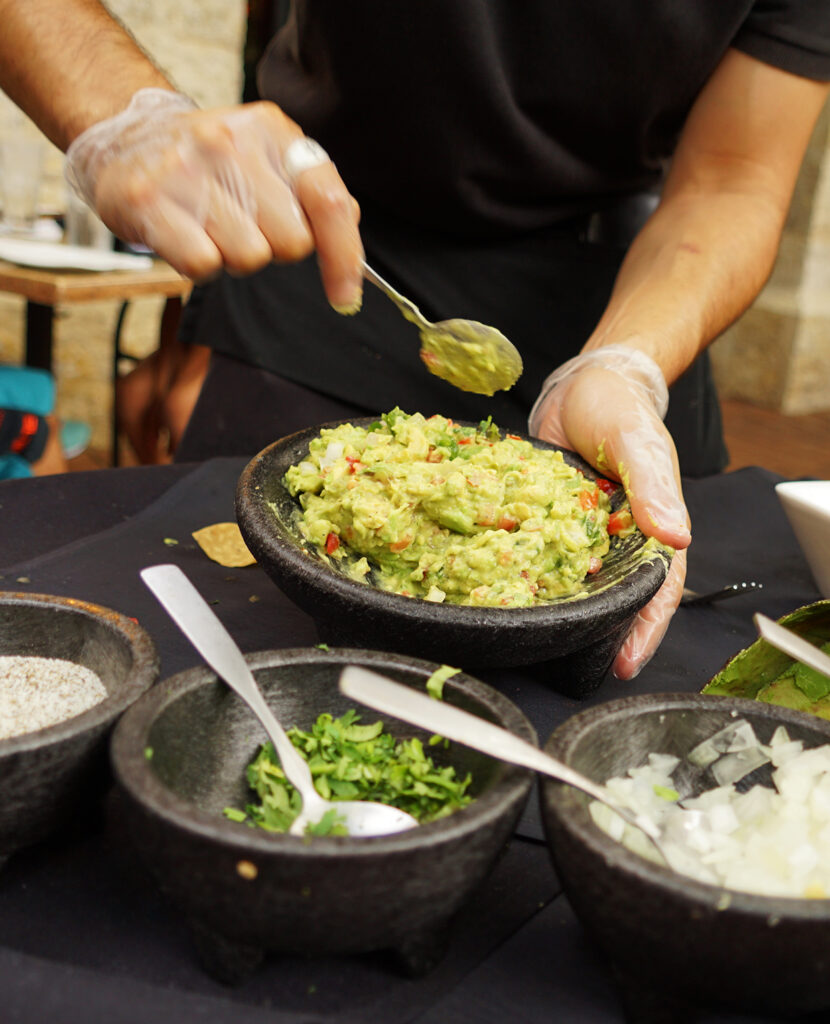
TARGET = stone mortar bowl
(245,891)
(674,942)
(573,641)
(51,775)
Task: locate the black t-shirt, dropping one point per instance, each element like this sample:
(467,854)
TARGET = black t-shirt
(477,135)
(489,116)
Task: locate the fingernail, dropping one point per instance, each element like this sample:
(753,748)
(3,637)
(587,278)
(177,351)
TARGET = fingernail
(349,308)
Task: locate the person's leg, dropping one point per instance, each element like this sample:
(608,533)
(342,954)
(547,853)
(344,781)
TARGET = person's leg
(52,459)
(155,399)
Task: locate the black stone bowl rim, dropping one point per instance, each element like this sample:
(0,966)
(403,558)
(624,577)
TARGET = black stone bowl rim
(571,808)
(134,771)
(141,676)
(628,594)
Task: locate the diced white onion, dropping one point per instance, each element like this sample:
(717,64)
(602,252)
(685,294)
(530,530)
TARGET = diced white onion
(334,451)
(774,842)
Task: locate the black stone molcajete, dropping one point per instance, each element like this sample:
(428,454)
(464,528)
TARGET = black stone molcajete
(245,891)
(674,942)
(52,775)
(578,639)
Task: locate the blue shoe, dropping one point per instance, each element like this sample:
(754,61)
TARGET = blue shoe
(75,437)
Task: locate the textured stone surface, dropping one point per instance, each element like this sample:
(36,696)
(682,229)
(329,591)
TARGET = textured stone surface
(751,952)
(571,644)
(51,774)
(333,894)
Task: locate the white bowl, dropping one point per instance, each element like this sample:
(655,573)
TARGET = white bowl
(807,504)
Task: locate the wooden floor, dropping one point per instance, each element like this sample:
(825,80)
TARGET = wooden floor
(794,446)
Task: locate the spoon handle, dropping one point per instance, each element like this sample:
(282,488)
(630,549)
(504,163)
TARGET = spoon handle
(199,623)
(416,708)
(406,306)
(791,643)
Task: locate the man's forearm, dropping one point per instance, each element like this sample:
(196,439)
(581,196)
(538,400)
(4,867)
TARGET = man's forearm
(710,246)
(696,266)
(68,64)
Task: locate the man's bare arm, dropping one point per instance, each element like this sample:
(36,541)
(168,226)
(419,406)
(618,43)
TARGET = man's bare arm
(706,252)
(697,264)
(69,64)
(204,189)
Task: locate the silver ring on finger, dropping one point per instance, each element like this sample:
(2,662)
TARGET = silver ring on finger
(303,154)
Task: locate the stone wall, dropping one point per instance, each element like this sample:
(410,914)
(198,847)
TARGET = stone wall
(778,354)
(199,44)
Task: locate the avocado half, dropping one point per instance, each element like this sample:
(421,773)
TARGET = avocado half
(762,672)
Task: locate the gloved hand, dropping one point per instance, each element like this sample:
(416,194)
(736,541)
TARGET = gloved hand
(235,188)
(608,404)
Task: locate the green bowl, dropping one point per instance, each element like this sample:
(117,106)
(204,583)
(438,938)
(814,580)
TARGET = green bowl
(762,672)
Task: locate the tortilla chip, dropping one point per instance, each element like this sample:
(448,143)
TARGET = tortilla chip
(224,544)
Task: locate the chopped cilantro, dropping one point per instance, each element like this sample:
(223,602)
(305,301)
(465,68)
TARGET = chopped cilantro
(435,683)
(352,761)
(665,793)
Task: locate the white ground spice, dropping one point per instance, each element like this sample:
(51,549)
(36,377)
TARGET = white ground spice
(38,692)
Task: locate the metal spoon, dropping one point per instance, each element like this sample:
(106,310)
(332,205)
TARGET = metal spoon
(392,698)
(197,621)
(691,597)
(469,355)
(793,644)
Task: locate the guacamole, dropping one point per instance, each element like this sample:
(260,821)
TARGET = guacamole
(445,512)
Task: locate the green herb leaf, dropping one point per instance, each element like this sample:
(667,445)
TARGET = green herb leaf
(665,793)
(352,761)
(435,683)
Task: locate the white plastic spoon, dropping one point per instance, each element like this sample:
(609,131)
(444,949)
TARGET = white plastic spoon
(392,698)
(195,618)
(791,643)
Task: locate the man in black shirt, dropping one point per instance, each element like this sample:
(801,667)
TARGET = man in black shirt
(497,150)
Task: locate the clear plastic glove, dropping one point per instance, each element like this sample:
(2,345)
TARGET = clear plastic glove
(212,189)
(608,404)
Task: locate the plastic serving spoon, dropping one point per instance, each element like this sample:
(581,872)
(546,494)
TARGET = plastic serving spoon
(197,621)
(469,355)
(392,698)
(791,643)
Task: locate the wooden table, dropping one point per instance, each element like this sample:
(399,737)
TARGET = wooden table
(45,289)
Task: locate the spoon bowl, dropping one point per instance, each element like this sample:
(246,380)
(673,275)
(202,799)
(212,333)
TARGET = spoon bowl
(200,625)
(467,354)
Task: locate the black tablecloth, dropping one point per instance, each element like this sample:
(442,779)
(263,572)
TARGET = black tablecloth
(85,937)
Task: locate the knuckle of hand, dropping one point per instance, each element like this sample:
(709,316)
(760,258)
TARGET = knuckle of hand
(291,247)
(328,200)
(200,268)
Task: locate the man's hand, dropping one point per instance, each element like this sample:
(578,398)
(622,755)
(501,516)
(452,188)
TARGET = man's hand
(612,417)
(213,189)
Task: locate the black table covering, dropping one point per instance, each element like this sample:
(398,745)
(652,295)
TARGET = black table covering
(85,936)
